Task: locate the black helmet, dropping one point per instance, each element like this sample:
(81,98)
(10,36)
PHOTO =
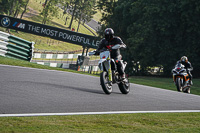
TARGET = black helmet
(109,33)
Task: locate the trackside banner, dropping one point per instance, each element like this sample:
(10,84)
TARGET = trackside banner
(49,31)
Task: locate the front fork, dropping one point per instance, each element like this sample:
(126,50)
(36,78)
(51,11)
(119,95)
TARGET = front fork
(110,71)
(175,77)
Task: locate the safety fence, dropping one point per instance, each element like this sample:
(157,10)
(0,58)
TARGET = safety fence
(89,68)
(53,59)
(54,56)
(67,61)
(15,47)
(92,69)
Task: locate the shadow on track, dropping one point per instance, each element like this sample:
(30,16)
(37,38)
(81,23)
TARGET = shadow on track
(57,86)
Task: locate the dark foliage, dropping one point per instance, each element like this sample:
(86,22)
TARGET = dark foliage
(157,32)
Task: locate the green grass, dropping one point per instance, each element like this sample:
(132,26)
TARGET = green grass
(97,17)
(165,83)
(36,5)
(117,123)
(16,62)
(46,43)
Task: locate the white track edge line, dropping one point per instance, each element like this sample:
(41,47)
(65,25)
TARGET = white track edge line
(97,113)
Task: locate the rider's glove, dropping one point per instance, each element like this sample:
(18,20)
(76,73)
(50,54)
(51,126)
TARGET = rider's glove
(96,52)
(123,46)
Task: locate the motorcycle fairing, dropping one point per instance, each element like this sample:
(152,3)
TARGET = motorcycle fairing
(186,77)
(104,54)
(103,64)
(101,61)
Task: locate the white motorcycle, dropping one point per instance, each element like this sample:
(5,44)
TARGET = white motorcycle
(109,74)
(181,78)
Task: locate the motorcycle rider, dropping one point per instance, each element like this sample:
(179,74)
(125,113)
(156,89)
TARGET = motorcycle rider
(108,42)
(188,67)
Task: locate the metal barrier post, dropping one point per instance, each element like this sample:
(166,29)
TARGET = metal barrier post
(20,49)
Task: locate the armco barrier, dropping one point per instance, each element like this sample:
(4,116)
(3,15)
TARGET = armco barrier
(15,47)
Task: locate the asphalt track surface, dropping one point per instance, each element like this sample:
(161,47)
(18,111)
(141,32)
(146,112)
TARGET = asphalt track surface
(29,90)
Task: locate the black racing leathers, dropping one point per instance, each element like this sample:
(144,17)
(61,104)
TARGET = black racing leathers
(115,53)
(188,67)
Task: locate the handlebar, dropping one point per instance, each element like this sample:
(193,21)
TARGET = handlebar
(117,46)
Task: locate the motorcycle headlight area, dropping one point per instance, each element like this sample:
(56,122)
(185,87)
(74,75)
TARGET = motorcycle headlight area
(182,71)
(174,71)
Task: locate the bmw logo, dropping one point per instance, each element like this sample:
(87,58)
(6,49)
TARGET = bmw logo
(5,22)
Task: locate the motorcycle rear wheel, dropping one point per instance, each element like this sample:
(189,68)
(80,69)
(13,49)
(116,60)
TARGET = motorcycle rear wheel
(124,86)
(105,84)
(178,84)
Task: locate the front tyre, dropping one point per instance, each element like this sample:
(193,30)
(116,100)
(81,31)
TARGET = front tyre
(105,84)
(124,86)
(178,84)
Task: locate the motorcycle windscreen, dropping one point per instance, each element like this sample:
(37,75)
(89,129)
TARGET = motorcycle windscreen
(179,65)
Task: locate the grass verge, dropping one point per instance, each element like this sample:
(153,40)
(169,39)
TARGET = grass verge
(165,83)
(16,62)
(127,123)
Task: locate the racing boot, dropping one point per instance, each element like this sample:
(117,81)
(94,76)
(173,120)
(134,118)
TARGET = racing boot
(123,76)
(190,82)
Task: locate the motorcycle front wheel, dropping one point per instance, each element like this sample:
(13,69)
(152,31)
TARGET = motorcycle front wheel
(178,84)
(124,86)
(105,84)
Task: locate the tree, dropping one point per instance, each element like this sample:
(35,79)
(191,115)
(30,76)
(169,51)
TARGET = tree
(12,7)
(107,7)
(25,8)
(74,6)
(65,5)
(7,6)
(17,9)
(86,10)
(50,10)
(157,32)
(81,10)
(153,33)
